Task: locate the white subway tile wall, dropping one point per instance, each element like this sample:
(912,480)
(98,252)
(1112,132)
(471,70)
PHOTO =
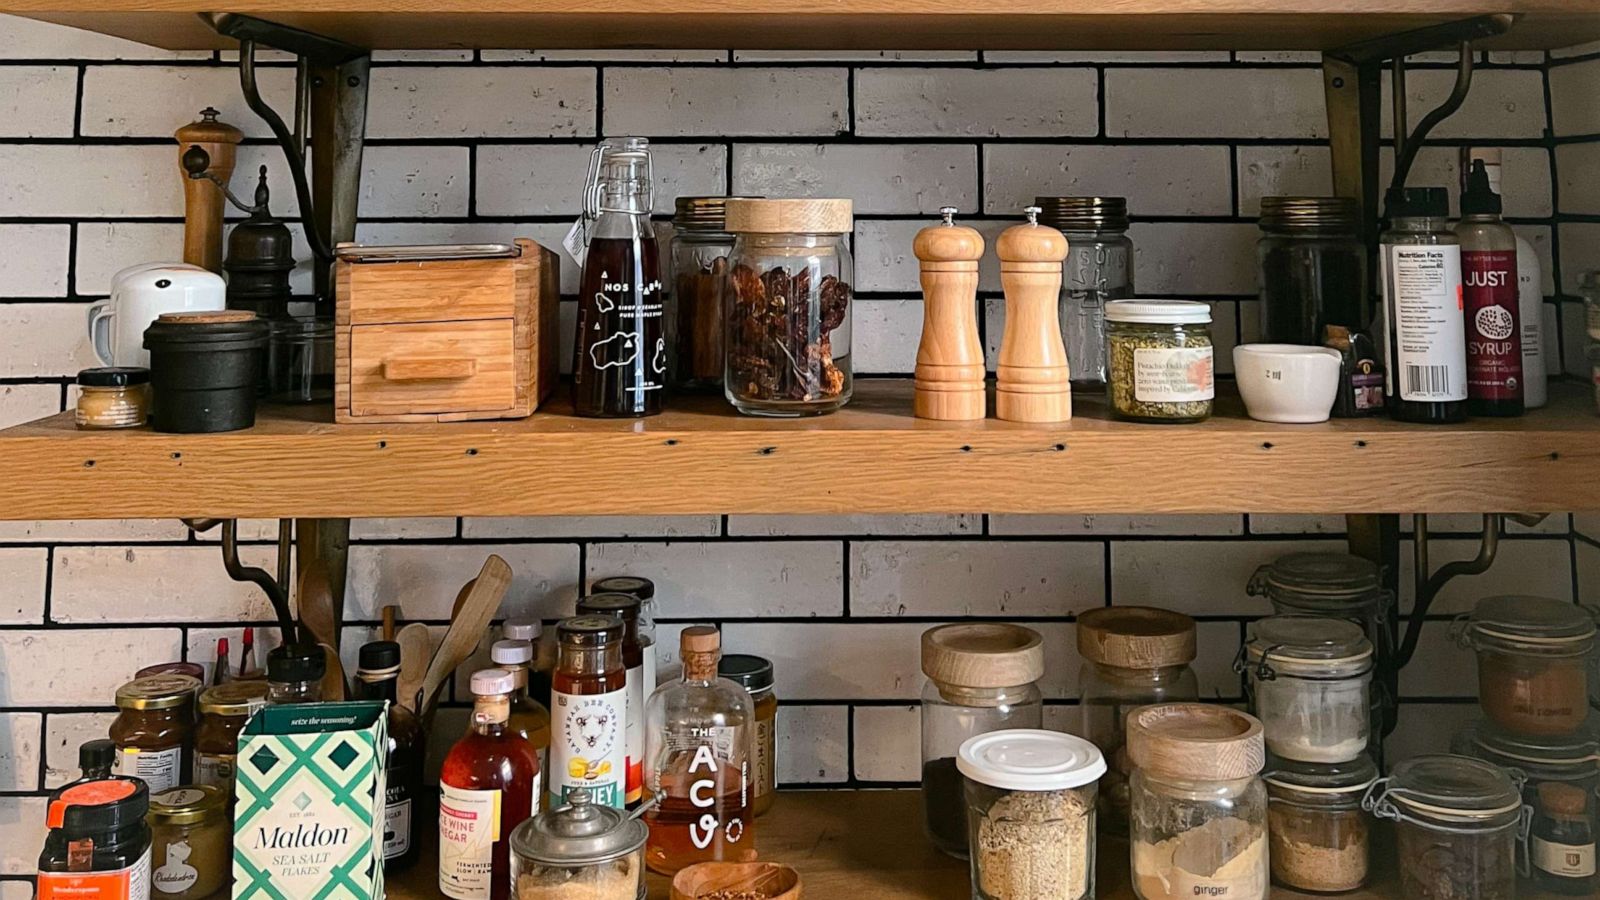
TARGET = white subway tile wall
(476,146)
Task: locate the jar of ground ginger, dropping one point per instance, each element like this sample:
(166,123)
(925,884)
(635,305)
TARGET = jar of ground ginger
(1533,662)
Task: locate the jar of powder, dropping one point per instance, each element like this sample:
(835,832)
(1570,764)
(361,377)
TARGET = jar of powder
(113,397)
(191,842)
(1533,662)
(1319,834)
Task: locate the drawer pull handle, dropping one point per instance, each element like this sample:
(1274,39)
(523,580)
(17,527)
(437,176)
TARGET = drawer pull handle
(437,369)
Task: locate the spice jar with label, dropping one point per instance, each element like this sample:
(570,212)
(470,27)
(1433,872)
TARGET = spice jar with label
(1098,269)
(224,710)
(1533,662)
(191,842)
(1199,807)
(113,397)
(754,674)
(1319,834)
(1030,798)
(1133,656)
(154,729)
(697,313)
(1459,822)
(788,338)
(981,678)
(1310,683)
(1160,356)
(98,845)
(579,850)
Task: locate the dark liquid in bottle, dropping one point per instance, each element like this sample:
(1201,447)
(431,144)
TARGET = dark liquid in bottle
(620,363)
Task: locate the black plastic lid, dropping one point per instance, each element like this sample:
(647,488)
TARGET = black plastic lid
(610,603)
(379,655)
(589,631)
(753,673)
(1479,199)
(1414,203)
(77,817)
(296,663)
(97,756)
(643,588)
(114,376)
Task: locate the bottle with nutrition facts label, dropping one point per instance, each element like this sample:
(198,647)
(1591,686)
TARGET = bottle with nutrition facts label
(1425,376)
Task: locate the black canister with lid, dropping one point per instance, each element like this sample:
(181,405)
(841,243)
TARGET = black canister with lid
(205,367)
(1312,268)
(98,836)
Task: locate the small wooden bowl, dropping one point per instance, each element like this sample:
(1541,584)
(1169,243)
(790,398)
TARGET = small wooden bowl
(774,881)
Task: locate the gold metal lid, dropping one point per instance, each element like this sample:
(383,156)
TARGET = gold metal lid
(188,804)
(704,214)
(236,698)
(157,692)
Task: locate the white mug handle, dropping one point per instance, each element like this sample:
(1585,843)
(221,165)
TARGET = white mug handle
(100,314)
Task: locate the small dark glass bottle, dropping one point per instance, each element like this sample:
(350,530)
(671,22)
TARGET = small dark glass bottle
(1425,365)
(402,802)
(97,827)
(1563,840)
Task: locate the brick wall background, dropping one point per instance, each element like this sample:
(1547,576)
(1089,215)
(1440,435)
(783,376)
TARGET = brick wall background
(481,146)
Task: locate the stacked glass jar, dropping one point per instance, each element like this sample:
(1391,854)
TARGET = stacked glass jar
(696,306)
(1097,270)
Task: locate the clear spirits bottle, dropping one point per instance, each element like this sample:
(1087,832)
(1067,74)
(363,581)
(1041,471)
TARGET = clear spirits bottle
(699,757)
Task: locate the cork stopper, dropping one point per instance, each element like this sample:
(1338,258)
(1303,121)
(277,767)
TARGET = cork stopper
(1031,242)
(1563,800)
(947,241)
(1196,741)
(1136,637)
(701,647)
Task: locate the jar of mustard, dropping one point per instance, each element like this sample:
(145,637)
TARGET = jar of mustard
(191,851)
(224,709)
(154,730)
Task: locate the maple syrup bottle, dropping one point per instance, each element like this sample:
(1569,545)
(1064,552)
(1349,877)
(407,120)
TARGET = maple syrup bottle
(699,762)
(489,783)
(620,364)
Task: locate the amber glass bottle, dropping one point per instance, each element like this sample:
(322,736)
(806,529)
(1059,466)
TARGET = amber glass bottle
(529,718)
(488,784)
(402,801)
(641,684)
(589,698)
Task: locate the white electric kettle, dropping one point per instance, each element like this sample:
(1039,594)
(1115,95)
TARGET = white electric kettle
(141,293)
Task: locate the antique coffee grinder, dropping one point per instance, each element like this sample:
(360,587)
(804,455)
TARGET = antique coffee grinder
(260,249)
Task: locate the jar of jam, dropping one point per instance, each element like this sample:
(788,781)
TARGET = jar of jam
(154,729)
(99,844)
(754,674)
(223,711)
(191,842)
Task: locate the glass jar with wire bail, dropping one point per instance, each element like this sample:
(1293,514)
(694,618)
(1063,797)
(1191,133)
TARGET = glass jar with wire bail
(701,246)
(1097,270)
(1320,837)
(1460,826)
(1310,685)
(1312,266)
(1534,661)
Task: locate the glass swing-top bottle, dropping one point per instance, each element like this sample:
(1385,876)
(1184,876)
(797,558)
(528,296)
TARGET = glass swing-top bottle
(620,364)
(699,763)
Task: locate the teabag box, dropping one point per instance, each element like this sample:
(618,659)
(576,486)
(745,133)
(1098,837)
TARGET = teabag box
(308,821)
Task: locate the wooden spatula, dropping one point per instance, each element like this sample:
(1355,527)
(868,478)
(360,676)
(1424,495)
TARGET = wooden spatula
(416,652)
(390,613)
(334,687)
(317,617)
(475,609)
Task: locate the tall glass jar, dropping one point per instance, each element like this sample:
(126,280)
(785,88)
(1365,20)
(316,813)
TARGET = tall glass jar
(1320,836)
(1312,266)
(788,337)
(1098,269)
(981,678)
(1161,362)
(1310,684)
(1459,822)
(1533,662)
(1198,803)
(697,312)
(1133,656)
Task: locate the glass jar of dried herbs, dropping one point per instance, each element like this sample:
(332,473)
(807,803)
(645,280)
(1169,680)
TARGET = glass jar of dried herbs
(1161,360)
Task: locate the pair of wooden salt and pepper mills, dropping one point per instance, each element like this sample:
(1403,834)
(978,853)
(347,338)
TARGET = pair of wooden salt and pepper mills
(1032,383)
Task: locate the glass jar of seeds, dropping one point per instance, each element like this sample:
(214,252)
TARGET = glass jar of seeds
(1160,356)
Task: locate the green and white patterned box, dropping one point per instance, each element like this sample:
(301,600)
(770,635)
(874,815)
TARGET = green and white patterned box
(308,824)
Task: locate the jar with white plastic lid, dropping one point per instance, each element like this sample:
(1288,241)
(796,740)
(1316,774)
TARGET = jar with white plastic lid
(1161,360)
(1311,686)
(1030,803)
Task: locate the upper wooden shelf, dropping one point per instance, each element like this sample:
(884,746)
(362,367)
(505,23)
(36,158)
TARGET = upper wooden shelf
(871,457)
(827,24)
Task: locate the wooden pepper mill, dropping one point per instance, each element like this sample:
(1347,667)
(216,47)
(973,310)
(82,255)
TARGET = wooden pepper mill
(1033,383)
(950,372)
(202,199)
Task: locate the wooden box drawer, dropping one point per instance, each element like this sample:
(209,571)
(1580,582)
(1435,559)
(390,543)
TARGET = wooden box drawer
(397,292)
(437,367)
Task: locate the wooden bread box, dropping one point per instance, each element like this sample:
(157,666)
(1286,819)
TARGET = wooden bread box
(444,334)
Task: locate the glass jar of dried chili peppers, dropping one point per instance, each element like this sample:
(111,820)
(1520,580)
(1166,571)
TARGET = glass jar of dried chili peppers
(788,337)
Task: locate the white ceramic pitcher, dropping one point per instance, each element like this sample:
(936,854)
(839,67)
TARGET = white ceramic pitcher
(138,295)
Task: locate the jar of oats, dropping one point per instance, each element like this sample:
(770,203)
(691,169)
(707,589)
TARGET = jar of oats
(1160,357)
(1030,798)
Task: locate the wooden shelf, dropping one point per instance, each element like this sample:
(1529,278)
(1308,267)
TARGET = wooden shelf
(826,24)
(871,457)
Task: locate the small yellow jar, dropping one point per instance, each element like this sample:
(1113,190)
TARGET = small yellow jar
(191,842)
(113,397)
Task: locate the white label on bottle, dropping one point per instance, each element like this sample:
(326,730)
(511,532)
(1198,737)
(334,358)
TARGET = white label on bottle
(214,768)
(1172,374)
(1423,282)
(589,747)
(633,732)
(175,875)
(469,826)
(1564,860)
(396,828)
(158,768)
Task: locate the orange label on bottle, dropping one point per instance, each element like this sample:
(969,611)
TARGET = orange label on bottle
(132,883)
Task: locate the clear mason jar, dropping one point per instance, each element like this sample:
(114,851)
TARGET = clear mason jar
(697,314)
(1133,656)
(1030,810)
(1097,270)
(1534,662)
(981,678)
(1310,685)
(1320,837)
(1161,360)
(1312,268)
(1459,824)
(788,326)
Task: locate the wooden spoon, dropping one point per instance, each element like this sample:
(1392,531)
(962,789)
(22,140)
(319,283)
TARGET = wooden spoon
(416,652)
(475,608)
(317,617)
(334,687)
(390,613)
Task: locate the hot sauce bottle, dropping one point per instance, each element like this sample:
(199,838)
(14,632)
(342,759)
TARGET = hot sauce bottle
(589,709)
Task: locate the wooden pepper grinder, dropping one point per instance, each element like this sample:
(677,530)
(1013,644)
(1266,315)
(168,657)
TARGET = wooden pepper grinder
(949,382)
(202,199)
(1033,383)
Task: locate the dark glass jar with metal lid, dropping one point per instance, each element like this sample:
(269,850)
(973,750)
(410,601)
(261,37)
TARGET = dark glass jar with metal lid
(579,849)
(754,674)
(1319,836)
(1098,269)
(701,245)
(1312,266)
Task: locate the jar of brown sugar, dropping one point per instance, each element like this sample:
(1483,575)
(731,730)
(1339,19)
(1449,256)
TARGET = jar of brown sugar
(1533,662)
(224,710)
(191,842)
(1318,835)
(154,729)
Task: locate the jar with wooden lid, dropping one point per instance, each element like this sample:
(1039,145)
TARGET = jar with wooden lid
(224,710)
(154,729)
(1459,823)
(1320,836)
(1133,656)
(1030,798)
(1534,662)
(1198,804)
(791,275)
(191,842)
(1310,684)
(981,678)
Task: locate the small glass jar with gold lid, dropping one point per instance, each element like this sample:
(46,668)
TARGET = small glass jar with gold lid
(224,710)
(154,729)
(191,849)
